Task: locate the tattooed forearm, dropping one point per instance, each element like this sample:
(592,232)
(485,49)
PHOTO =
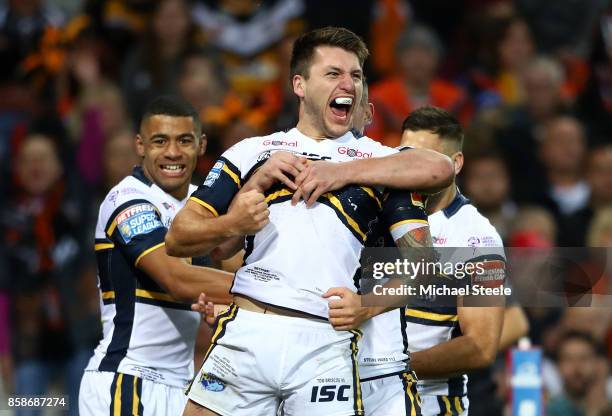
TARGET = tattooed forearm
(420,237)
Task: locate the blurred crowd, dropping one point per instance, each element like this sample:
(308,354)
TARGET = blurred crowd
(531,81)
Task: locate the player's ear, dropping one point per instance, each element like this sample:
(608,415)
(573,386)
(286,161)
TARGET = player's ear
(370,114)
(140,148)
(298,85)
(458,162)
(202,144)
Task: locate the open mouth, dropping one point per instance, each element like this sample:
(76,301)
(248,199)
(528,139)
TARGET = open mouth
(341,106)
(172,169)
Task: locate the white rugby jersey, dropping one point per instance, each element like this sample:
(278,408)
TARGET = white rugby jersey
(383,348)
(303,251)
(146,333)
(458,225)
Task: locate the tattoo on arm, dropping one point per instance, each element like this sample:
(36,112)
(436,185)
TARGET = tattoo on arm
(416,238)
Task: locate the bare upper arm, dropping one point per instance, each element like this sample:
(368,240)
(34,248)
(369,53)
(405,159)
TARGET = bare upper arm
(159,266)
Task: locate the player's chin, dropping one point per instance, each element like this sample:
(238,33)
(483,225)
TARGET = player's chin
(337,129)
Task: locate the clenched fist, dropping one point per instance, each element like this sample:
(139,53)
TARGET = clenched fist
(249,213)
(280,167)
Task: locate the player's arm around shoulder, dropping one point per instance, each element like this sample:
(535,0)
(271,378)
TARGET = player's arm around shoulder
(185,282)
(419,170)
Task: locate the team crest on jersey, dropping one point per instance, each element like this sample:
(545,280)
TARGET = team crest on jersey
(137,220)
(211,382)
(214,173)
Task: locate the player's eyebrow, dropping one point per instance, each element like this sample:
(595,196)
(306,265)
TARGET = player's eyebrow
(187,135)
(159,136)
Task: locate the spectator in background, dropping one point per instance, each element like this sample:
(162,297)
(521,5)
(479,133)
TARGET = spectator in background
(583,374)
(594,105)
(154,66)
(533,227)
(562,153)
(99,115)
(23,23)
(414,85)
(506,52)
(118,158)
(247,34)
(41,230)
(561,25)
(486,182)
(573,228)
(518,139)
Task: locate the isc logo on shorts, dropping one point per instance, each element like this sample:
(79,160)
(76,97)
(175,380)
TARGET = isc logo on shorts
(329,393)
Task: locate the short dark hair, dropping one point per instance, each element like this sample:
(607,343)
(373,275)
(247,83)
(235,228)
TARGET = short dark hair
(304,46)
(587,338)
(437,121)
(172,106)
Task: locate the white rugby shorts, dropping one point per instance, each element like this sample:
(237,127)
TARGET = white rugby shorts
(118,394)
(265,364)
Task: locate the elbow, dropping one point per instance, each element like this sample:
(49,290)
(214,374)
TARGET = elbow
(443,172)
(440,173)
(488,357)
(487,352)
(179,291)
(483,353)
(172,246)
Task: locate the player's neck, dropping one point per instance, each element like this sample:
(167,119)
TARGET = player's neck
(441,200)
(308,129)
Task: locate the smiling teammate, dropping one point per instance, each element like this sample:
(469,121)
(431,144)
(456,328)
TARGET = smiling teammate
(275,344)
(145,358)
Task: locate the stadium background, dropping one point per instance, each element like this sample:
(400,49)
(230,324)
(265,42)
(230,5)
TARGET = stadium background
(531,80)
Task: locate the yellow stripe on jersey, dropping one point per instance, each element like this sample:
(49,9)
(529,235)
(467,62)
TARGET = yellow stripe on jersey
(108,295)
(397,224)
(370,192)
(112,227)
(447,404)
(205,205)
(103,246)
(430,315)
(231,174)
(278,194)
(147,251)
(458,406)
(154,295)
(117,404)
(336,203)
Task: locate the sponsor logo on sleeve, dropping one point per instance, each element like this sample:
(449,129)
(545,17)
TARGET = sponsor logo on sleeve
(491,273)
(137,220)
(214,173)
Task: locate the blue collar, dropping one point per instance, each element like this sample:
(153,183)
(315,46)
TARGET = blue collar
(139,174)
(456,204)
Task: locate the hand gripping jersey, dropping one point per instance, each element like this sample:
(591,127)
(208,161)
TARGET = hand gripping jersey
(146,333)
(303,251)
(383,349)
(459,225)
